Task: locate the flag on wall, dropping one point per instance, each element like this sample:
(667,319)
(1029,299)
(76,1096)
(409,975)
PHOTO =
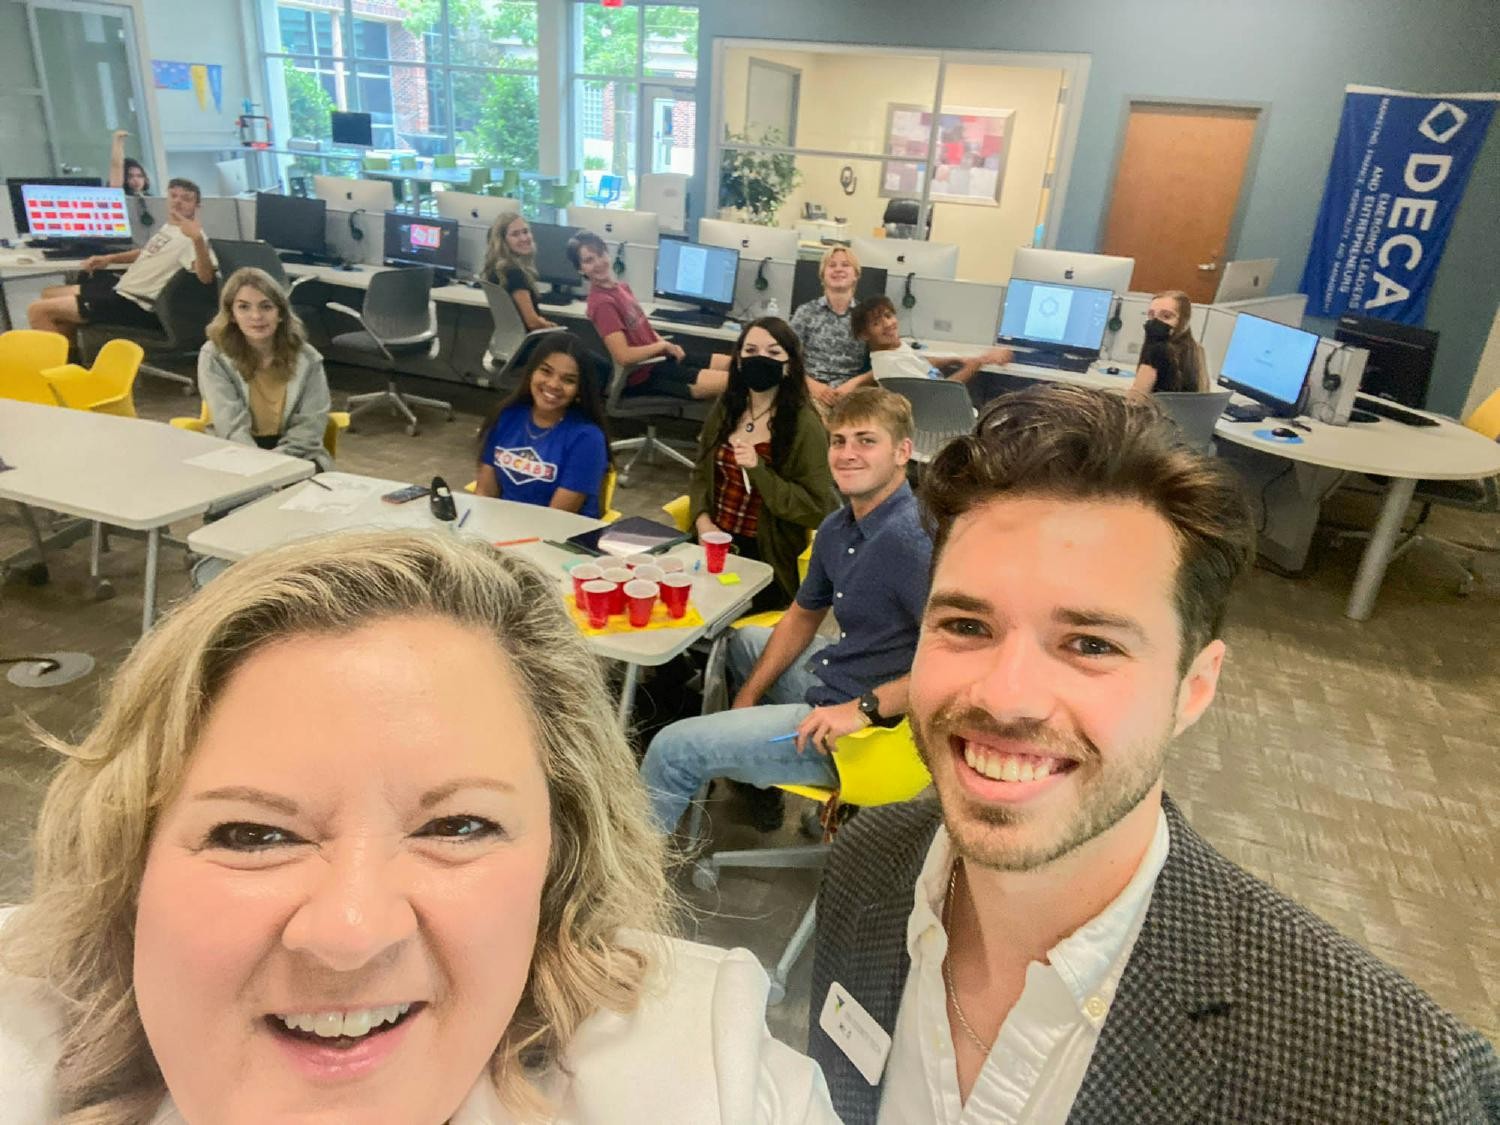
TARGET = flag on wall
(1399,169)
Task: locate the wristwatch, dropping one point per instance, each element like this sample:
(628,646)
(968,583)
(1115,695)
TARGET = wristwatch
(869,707)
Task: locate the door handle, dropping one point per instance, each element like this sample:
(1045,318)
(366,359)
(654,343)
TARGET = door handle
(1207,267)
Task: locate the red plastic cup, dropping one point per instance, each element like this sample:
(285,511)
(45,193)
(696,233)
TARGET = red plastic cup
(633,561)
(619,575)
(674,594)
(649,572)
(670,564)
(597,596)
(640,600)
(715,549)
(583,572)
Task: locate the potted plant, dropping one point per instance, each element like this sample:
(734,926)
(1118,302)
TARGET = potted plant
(756,184)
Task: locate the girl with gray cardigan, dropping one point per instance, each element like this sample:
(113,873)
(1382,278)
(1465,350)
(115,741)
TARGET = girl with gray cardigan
(262,382)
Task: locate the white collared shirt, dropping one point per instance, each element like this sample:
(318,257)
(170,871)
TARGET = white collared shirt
(1036,1066)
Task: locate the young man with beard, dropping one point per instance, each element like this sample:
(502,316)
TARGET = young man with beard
(1048,939)
(869,565)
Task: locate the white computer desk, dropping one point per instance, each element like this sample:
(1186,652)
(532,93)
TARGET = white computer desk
(268,522)
(22,262)
(122,472)
(1402,454)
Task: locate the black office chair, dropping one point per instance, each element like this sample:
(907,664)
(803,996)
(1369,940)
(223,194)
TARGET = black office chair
(233,255)
(510,342)
(940,411)
(1195,412)
(398,319)
(184,307)
(902,217)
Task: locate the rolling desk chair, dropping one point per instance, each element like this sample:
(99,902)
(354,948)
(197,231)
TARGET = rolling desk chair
(941,410)
(508,343)
(398,319)
(1195,412)
(184,308)
(234,254)
(900,219)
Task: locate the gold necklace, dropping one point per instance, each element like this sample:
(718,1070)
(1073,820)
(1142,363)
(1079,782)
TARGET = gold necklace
(958,1011)
(754,418)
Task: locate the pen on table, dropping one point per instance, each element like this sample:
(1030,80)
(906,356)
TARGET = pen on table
(463,519)
(320,484)
(517,542)
(1300,426)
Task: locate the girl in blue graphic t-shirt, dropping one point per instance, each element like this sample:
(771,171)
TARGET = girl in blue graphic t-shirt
(546,444)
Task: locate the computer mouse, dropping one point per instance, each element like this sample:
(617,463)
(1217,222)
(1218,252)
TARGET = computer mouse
(1284,432)
(916,345)
(1111,370)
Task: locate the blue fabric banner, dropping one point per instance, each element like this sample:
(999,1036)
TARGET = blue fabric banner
(1399,169)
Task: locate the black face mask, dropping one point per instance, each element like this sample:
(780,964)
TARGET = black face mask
(761,372)
(1158,331)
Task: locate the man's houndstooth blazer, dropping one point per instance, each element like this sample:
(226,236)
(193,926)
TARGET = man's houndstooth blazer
(1237,1004)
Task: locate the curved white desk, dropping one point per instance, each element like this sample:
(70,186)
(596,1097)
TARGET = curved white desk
(1405,454)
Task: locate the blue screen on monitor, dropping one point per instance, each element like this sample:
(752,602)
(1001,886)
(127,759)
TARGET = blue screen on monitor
(1266,360)
(1059,316)
(696,273)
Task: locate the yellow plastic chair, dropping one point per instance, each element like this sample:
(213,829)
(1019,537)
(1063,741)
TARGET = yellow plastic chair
(677,512)
(876,766)
(337,420)
(107,387)
(445,160)
(606,495)
(24,355)
(1486,418)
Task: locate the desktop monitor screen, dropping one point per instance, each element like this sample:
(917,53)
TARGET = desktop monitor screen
(18,204)
(640,227)
(1055,317)
(902,256)
(417,240)
(71,211)
(1065,267)
(552,264)
(750,239)
(1268,362)
(290,223)
(705,275)
(807,286)
(1401,357)
(352,129)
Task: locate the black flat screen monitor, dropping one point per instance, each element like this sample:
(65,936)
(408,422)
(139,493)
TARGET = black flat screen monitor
(1068,319)
(352,129)
(18,205)
(290,223)
(417,240)
(702,275)
(1268,362)
(806,285)
(1401,357)
(552,264)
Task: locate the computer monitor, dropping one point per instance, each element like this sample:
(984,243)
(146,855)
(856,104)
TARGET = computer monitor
(419,240)
(908,255)
(1401,357)
(290,223)
(1244,281)
(347,194)
(808,286)
(690,271)
(1268,362)
(752,241)
(75,213)
(640,227)
(552,264)
(234,176)
(1065,267)
(470,208)
(18,205)
(353,129)
(1063,319)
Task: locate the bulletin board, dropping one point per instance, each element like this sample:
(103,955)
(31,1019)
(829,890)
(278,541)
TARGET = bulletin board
(971,152)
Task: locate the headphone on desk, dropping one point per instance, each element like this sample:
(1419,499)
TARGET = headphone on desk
(354,231)
(908,298)
(1115,322)
(619,263)
(762,282)
(147,219)
(1326,410)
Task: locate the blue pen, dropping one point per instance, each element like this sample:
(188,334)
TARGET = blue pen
(783,738)
(463,519)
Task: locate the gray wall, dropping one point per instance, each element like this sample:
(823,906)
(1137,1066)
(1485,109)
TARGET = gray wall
(1293,56)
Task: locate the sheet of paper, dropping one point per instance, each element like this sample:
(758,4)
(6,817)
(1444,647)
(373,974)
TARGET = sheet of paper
(241,460)
(342,496)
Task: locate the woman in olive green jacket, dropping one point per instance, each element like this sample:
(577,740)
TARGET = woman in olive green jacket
(762,468)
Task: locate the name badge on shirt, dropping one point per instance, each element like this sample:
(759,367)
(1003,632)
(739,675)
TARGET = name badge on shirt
(855,1031)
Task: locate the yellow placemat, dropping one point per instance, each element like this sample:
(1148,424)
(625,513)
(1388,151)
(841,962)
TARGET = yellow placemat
(620,623)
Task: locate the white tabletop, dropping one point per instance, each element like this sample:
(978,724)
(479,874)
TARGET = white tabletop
(128,472)
(269,522)
(1447,451)
(21,261)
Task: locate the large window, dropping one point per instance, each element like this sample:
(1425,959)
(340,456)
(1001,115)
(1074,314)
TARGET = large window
(436,76)
(634,72)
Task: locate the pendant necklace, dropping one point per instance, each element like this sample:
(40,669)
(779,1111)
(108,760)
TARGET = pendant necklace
(750,425)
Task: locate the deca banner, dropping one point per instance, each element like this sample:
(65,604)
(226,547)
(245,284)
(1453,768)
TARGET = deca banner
(1399,169)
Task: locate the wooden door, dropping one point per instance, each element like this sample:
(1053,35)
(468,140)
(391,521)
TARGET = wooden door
(1178,187)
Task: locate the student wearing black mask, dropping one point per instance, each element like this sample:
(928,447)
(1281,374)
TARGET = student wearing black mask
(762,470)
(1171,360)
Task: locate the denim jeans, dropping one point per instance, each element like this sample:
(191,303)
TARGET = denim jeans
(737,744)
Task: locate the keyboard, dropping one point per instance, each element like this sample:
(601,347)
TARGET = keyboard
(696,317)
(556,300)
(1053,361)
(1392,411)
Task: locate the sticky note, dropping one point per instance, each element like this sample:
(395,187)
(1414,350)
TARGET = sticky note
(727,579)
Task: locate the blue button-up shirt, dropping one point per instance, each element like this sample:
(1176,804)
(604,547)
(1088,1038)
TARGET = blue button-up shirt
(874,574)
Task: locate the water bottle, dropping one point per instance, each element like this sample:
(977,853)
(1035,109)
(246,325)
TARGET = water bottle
(773,307)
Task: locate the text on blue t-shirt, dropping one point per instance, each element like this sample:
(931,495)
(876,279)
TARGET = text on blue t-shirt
(531,463)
